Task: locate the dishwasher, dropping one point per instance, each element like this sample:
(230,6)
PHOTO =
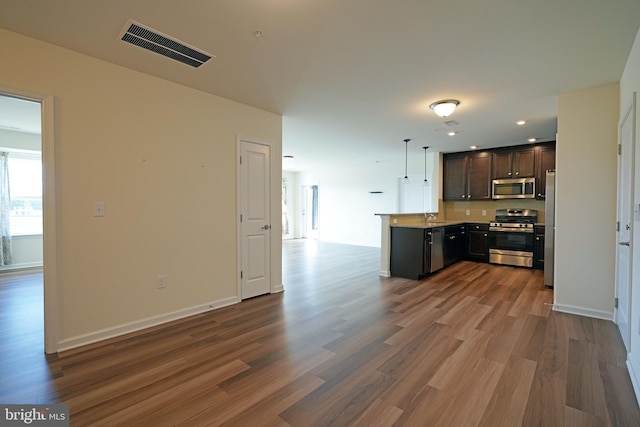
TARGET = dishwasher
(437,244)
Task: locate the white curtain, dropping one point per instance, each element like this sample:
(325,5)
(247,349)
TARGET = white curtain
(5,210)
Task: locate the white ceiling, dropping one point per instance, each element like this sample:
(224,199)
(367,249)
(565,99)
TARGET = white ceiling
(353,78)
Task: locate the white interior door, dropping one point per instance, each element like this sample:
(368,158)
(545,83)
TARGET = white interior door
(255,219)
(625,223)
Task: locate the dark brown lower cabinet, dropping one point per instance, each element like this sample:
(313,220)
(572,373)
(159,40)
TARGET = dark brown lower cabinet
(410,252)
(478,242)
(454,244)
(538,247)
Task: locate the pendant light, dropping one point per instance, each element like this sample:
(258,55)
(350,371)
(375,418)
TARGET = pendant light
(425,182)
(405,180)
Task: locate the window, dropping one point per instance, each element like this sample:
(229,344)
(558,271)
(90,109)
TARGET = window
(25,185)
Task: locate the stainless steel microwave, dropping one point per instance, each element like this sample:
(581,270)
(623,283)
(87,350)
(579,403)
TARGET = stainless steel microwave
(514,188)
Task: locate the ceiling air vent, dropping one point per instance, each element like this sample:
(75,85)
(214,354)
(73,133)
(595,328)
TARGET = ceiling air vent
(157,42)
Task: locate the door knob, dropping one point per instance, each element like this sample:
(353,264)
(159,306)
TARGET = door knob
(265,227)
(624,243)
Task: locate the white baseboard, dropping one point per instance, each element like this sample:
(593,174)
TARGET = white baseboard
(126,328)
(635,379)
(384,273)
(277,289)
(21,266)
(581,311)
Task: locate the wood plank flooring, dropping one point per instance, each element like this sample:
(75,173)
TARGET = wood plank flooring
(473,345)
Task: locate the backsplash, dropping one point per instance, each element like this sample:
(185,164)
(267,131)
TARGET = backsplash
(457,211)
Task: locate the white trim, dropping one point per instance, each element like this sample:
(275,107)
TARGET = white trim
(138,325)
(277,289)
(238,222)
(581,311)
(635,379)
(22,266)
(51,290)
(385,245)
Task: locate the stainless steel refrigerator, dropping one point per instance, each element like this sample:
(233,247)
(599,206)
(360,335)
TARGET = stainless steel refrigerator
(549,227)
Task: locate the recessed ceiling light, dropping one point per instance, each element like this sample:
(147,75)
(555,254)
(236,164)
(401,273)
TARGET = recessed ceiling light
(532,139)
(258,33)
(521,122)
(452,133)
(474,147)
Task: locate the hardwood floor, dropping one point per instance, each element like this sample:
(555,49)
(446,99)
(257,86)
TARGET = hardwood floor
(474,344)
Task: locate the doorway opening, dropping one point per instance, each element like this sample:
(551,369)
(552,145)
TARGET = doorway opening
(310,224)
(21,217)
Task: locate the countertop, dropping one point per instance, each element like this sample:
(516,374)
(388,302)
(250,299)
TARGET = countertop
(434,224)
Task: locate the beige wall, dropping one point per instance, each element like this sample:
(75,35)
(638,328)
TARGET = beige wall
(162,157)
(458,210)
(586,164)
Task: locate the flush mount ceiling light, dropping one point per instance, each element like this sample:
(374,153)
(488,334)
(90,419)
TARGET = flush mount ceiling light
(445,107)
(521,122)
(452,133)
(532,139)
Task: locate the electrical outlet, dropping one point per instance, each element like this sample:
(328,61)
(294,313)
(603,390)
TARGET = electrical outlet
(468,212)
(395,220)
(162,281)
(484,212)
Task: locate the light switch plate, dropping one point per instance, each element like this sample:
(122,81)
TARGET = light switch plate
(98,209)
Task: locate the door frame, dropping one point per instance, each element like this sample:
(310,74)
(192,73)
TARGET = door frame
(628,114)
(275,206)
(49,240)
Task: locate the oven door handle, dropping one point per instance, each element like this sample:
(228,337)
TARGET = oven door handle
(510,230)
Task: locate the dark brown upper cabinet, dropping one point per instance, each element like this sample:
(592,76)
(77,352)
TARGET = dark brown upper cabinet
(467,176)
(545,159)
(514,163)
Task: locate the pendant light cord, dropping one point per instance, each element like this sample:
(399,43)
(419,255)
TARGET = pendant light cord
(406,157)
(425,163)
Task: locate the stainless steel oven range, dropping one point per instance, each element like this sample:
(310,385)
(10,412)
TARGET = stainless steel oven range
(511,237)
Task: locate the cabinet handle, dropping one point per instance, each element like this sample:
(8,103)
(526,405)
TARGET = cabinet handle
(469,196)
(537,238)
(477,227)
(509,173)
(452,237)
(539,194)
(517,173)
(485,234)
